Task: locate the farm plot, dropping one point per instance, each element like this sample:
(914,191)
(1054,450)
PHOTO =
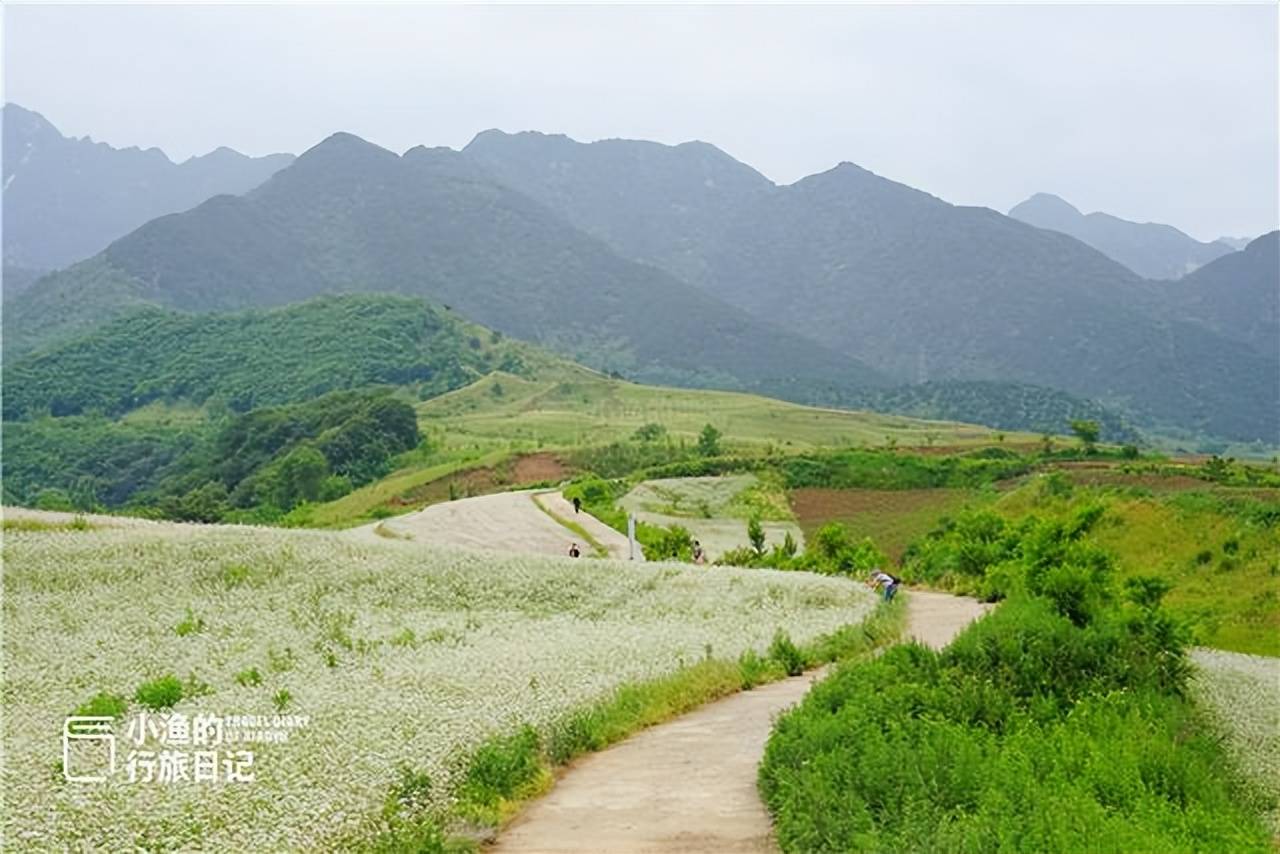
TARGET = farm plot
(715,510)
(892,518)
(392,655)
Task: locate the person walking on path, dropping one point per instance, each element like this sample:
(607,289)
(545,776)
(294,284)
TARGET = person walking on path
(577,504)
(573,551)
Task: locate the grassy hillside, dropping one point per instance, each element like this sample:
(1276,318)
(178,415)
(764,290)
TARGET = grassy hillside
(581,407)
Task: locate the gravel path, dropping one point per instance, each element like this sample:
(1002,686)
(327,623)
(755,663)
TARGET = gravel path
(689,785)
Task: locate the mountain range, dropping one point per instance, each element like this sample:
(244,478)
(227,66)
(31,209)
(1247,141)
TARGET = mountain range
(916,287)
(1150,249)
(350,216)
(679,264)
(65,199)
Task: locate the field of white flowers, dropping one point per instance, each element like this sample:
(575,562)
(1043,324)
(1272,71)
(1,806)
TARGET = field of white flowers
(397,654)
(1243,693)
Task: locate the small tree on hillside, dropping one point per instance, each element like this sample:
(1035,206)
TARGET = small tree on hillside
(709,441)
(1087,432)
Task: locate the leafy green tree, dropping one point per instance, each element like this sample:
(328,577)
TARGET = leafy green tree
(208,503)
(1087,431)
(709,441)
(53,498)
(299,476)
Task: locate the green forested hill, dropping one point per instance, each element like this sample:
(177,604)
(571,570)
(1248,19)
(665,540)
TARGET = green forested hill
(348,216)
(1007,406)
(249,467)
(1238,295)
(259,357)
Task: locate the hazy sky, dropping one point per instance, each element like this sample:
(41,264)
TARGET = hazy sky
(1163,113)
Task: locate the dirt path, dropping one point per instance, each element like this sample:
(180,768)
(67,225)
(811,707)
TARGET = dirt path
(506,521)
(689,785)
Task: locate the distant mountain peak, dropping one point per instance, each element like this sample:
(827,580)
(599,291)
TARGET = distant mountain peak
(66,198)
(1152,250)
(343,141)
(1046,203)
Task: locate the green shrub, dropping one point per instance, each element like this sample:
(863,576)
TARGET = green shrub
(103,705)
(249,678)
(501,769)
(755,670)
(189,625)
(280,699)
(159,694)
(787,654)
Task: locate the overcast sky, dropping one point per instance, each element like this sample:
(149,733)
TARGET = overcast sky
(1160,113)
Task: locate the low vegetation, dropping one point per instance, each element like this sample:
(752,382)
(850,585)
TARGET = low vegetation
(1069,695)
(1217,552)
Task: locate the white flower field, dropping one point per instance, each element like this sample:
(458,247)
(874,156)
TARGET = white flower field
(396,654)
(1243,694)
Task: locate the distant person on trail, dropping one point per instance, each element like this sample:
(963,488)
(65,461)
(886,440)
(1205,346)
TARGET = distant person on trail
(573,551)
(699,556)
(577,504)
(886,582)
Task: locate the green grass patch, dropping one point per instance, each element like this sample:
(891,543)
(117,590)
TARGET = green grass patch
(160,694)
(79,523)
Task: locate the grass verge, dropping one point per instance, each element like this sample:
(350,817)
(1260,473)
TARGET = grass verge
(596,546)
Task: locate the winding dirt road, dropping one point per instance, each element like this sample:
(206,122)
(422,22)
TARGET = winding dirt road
(689,786)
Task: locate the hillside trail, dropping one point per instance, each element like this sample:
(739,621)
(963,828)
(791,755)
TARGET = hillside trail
(689,786)
(506,521)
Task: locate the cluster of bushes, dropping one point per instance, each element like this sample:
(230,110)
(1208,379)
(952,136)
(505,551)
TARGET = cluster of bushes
(1058,723)
(654,453)
(867,469)
(831,551)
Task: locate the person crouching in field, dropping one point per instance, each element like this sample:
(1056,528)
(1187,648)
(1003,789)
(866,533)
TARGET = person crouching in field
(886,582)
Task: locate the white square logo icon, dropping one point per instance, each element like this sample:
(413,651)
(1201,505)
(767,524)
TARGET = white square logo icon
(88,749)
